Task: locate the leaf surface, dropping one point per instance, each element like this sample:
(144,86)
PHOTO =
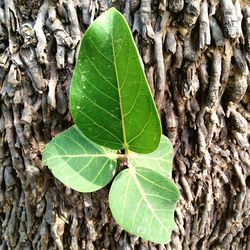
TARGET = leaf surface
(160,160)
(78,162)
(143,201)
(110,99)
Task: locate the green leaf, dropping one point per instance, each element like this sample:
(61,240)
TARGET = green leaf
(160,160)
(143,201)
(110,99)
(78,162)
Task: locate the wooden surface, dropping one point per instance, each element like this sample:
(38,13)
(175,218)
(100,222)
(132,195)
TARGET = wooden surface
(196,58)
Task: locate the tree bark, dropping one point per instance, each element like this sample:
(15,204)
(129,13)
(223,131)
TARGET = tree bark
(196,55)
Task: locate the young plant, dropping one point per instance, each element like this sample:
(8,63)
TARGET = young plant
(114,112)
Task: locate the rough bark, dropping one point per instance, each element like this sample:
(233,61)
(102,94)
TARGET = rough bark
(196,55)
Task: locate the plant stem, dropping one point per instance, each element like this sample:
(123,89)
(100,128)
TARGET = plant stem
(126,151)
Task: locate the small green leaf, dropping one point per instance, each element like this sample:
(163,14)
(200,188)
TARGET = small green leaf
(143,201)
(78,162)
(110,99)
(160,160)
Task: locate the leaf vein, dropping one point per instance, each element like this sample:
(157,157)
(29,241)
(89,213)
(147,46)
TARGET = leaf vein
(101,92)
(146,201)
(153,183)
(125,199)
(135,100)
(94,66)
(107,112)
(98,125)
(142,130)
(99,51)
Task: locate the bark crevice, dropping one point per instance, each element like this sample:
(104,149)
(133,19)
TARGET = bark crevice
(196,55)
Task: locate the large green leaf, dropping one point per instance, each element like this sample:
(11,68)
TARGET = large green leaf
(160,160)
(110,99)
(143,201)
(78,162)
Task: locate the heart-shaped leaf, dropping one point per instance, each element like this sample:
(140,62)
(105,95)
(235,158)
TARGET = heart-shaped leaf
(78,162)
(143,201)
(110,99)
(160,160)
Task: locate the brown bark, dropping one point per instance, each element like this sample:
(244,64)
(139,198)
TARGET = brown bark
(196,55)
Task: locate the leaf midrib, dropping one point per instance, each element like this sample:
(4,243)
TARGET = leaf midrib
(125,144)
(109,156)
(133,173)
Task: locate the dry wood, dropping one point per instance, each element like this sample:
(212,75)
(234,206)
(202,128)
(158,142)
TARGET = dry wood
(197,58)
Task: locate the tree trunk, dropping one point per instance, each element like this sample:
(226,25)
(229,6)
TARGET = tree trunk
(196,56)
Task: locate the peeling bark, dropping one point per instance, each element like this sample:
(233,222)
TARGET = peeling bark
(197,57)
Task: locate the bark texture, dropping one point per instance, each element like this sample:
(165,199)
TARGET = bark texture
(197,57)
